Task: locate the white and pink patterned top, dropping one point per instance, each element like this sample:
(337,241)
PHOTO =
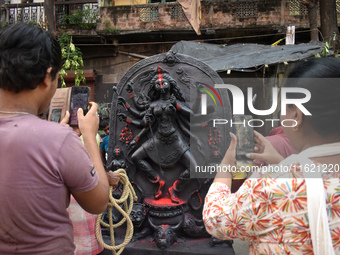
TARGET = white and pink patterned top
(270,211)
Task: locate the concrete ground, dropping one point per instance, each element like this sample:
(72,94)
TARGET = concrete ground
(241,247)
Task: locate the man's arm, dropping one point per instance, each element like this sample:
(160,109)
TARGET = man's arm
(93,201)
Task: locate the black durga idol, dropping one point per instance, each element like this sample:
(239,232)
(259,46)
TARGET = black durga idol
(160,136)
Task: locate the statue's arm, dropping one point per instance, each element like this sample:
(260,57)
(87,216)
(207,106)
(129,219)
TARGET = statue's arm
(136,139)
(139,107)
(186,111)
(134,112)
(125,118)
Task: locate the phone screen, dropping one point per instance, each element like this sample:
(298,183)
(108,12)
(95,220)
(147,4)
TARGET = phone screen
(79,99)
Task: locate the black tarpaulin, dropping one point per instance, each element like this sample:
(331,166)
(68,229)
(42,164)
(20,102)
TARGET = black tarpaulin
(244,57)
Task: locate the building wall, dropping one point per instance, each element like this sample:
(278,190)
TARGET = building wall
(109,70)
(215,14)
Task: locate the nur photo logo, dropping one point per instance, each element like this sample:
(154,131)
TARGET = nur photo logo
(238,107)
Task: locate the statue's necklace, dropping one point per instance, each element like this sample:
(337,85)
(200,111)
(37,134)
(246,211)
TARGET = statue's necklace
(6,112)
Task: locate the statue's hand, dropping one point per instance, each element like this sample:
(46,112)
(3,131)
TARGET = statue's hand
(210,123)
(122,101)
(113,177)
(122,116)
(132,144)
(148,118)
(129,88)
(199,144)
(113,165)
(173,99)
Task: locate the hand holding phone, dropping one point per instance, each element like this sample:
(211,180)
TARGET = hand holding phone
(66,119)
(265,150)
(79,100)
(88,123)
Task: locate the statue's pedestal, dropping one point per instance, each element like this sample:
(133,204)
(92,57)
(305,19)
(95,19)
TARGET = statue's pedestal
(188,246)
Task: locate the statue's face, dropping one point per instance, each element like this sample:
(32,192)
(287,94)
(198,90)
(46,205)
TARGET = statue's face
(170,58)
(162,85)
(137,215)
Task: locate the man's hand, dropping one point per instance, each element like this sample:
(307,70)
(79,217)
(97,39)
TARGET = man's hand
(66,119)
(65,122)
(113,178)
(89,123)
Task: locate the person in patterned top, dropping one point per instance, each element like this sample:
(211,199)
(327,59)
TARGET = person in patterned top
(273,209)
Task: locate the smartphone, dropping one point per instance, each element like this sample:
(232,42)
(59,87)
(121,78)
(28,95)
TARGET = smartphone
(69,99)
(245,137)
(60,103)
(79,99)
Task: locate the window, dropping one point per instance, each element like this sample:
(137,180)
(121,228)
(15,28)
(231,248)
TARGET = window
(177,12)
(297,8)
(147,14)
(246,9)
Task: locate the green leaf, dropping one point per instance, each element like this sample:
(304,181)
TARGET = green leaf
(62,72)
(72,47)
(67,64)
(63,84)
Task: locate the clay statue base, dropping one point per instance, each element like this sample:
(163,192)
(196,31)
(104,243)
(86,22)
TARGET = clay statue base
(188,246)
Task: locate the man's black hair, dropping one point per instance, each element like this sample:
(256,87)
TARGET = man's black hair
(26,52)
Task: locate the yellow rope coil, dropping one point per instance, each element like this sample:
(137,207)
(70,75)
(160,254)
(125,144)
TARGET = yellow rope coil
(127,195)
